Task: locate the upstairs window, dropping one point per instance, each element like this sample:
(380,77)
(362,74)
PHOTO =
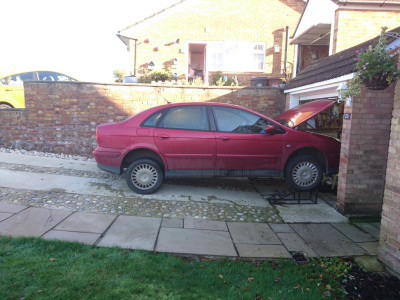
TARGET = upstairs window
(236,56)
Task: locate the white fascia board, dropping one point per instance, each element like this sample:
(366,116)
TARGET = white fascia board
(317,12)
(373,6)
(323,85)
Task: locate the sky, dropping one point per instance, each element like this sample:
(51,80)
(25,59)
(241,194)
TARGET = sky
(74,37)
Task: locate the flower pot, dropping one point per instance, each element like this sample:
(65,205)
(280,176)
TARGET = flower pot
(377,82)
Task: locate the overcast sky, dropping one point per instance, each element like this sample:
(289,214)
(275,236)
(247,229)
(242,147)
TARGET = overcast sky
(75,37)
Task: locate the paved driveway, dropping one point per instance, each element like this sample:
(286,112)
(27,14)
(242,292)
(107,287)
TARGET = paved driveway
(81,186)
(74,201)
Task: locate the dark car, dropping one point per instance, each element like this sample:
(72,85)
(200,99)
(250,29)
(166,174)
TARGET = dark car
(214,139)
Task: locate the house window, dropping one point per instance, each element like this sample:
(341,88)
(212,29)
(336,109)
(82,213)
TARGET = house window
(236,56)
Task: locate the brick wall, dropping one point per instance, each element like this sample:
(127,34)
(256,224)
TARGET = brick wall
(389,250)
(369,24)
(363,157)
(226,20)
(62,117)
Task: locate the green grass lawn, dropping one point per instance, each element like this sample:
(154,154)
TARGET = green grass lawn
(39,269)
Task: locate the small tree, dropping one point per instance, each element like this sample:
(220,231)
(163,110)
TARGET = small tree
(119,75)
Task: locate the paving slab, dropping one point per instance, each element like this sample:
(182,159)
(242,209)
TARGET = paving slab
(327,241)
(86,222)
(11,208)
(80,237)
(4,216)
(281,228)
(262,251)
(203,224)
(293,242)
(371,247)
(354,233)
(132,232)
(32,222)
(253,233)
(192,241)
(370,228)
(172,223)
(309,213)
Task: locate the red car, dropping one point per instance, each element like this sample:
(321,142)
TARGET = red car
(214,139)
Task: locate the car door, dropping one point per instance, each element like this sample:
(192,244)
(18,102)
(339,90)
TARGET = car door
(184,138)
(242,143)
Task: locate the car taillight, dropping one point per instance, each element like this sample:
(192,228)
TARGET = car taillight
(97,136)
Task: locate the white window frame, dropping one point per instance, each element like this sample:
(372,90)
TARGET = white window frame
(233,53)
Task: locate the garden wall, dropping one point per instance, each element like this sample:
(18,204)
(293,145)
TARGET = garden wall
(61,117)
(389,250)
(364,152)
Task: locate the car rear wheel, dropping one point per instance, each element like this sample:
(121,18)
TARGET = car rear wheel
(303,173)
(5,105)
(144,176)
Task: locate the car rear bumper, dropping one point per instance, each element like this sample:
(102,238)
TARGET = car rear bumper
(110,169)
(109,161)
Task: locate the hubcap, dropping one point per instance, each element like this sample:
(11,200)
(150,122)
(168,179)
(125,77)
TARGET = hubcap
(144,176)
(305,174)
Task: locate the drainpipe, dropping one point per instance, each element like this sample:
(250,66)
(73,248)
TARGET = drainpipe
(286,52)
(134,62)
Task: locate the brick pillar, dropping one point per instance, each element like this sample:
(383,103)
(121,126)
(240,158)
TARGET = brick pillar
(363,158)
(389,244)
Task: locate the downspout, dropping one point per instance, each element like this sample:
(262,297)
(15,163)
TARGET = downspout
(134,62)
(286,53)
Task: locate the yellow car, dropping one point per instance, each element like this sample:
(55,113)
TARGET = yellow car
(12,88)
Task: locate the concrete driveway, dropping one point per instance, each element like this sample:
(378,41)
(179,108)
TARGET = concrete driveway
(80,185)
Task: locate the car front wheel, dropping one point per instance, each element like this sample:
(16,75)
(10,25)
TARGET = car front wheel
(303,173)
(144,176)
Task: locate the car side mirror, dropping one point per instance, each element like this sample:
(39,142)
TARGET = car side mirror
(270,129)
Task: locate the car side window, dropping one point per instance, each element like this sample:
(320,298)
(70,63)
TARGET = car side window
(53,76)
(229,119)
(186,117)
(19,79)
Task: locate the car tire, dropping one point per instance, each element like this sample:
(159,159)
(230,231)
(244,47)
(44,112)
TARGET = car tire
(303,173)
(144,176)
(5,106)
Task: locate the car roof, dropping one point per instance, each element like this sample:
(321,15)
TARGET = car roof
(30,71)
(201,103)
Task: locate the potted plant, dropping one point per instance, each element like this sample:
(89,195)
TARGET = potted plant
(283,82)
(375,68)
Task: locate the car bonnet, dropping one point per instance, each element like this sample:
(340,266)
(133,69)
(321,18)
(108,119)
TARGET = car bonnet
(297,115)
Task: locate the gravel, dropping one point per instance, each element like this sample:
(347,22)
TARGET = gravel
(132,205)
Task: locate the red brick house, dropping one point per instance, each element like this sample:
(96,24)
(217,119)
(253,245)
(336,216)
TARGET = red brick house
(368,181)
(330,26)
(198,38)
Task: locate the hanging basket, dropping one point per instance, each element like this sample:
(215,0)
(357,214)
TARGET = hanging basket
(378,82)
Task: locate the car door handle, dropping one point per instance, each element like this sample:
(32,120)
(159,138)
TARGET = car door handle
(225,138)
(163,136)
